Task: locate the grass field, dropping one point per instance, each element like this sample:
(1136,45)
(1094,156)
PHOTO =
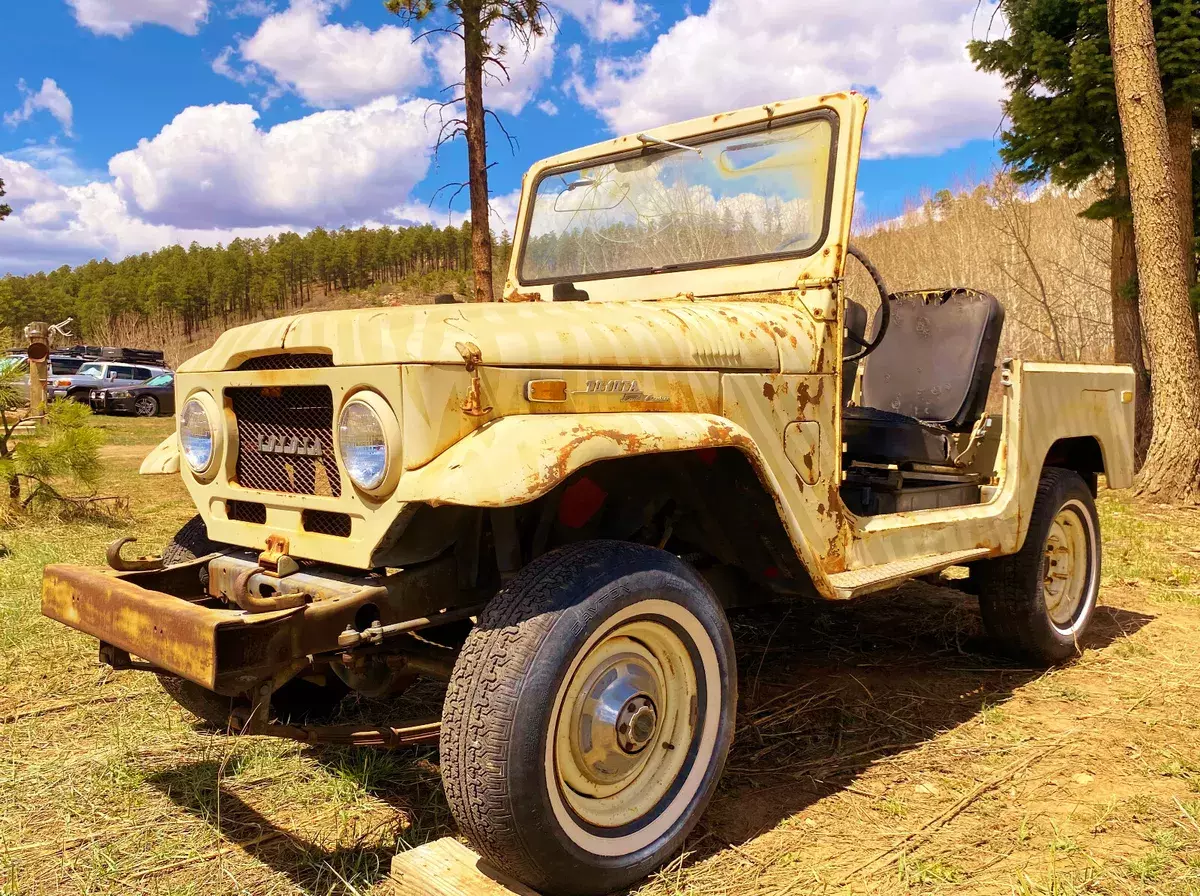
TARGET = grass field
(880,748)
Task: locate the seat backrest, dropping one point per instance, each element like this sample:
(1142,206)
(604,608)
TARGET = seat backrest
(937,358)
(854,320)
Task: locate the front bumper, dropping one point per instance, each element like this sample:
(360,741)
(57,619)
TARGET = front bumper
(163,617)
(226,651)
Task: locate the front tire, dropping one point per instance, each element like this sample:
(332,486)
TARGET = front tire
(589,716)
(146,406)
(1038,603)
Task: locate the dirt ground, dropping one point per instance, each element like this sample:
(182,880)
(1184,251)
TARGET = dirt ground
(880,747)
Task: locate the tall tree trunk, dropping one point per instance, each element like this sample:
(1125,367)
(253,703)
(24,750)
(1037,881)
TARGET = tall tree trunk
(1172,469)
(1179,133)
(481,244)
(1127,321)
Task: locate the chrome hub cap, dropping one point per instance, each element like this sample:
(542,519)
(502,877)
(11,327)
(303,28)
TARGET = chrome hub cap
(628,702)
(615,718)
(1065,572)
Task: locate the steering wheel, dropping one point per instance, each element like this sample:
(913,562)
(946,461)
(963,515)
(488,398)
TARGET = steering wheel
(885,308)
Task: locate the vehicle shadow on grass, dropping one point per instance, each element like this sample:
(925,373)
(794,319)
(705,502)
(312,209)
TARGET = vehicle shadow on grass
(405,781)
(826,690)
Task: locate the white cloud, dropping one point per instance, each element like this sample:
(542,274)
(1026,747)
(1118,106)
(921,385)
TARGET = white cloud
(211,175)
(50,97)
(53,225)
(507,89)
(607,20)
(909,55)
(213,167)
(327,64)
(252,9)
(120,17)
(548,107)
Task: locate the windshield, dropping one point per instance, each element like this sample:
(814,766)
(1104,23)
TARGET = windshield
(752,196)
(91,370)
(163,379)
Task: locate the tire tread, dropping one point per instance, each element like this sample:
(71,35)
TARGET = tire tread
(1008,585)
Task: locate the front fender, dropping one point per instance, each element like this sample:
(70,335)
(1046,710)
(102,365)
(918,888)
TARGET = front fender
(163,459)
(518,459)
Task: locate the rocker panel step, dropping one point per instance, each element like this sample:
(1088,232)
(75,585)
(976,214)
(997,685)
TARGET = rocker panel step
(876,578)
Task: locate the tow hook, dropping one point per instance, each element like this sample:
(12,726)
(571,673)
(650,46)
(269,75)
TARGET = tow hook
(135,564)
(276,563)
(253,603)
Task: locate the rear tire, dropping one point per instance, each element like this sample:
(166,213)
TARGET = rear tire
(589,716)
(1037,603)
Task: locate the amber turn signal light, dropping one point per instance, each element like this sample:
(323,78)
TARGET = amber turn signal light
(546,390)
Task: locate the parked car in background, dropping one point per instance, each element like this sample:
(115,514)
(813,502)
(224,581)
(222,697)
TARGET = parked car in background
(149,399)
(61,366)
(99,375)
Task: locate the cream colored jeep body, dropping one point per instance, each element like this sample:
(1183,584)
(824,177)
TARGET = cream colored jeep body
(667,369)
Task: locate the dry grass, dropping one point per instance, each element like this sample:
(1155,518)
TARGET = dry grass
(880,749)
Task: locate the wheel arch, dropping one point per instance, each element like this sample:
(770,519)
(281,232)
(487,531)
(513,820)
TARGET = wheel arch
(1082,454)
(519,459)
(703,470)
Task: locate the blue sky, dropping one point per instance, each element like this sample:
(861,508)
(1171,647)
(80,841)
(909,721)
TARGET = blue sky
(132,124)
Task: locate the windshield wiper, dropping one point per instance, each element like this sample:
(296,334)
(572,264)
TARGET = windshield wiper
(658,141)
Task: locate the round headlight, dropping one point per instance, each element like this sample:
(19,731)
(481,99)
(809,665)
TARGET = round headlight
(196,436)
(363,445)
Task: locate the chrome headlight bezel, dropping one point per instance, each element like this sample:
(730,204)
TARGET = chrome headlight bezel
(381,413)
(207,406)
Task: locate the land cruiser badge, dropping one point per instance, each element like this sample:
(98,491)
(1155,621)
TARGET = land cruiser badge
(629,390)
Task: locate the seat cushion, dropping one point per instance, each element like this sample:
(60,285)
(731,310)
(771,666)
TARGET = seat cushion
(936,360)
(884,437)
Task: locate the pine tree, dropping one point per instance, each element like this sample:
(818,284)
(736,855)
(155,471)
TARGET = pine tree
(473,20)
(1064,126)
(1172,468)
(5,209)
(64,450)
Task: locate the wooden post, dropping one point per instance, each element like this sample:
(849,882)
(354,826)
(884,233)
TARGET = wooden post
(37,334)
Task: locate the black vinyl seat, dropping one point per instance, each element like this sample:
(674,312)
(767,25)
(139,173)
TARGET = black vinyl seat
(927,380)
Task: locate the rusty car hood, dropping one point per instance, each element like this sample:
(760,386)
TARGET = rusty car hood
(677,334)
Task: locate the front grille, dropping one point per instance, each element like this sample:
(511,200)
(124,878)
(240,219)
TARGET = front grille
(326,522)
(285,439)
(246,511)
(291,361)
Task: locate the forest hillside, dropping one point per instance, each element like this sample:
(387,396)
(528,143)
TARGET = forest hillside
(1033,250)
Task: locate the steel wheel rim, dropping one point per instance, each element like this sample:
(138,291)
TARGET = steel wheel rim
(1068,567)
(627,718)
(145,406)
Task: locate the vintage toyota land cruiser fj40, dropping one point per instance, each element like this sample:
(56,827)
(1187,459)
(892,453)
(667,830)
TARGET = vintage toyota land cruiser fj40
(550,502)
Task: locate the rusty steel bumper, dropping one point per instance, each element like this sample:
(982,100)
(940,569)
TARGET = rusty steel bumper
(223,650)
(165,617)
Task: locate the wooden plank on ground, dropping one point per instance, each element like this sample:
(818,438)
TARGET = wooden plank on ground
(448,868)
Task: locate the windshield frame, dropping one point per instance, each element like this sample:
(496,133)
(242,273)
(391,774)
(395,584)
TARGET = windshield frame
(698,140)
